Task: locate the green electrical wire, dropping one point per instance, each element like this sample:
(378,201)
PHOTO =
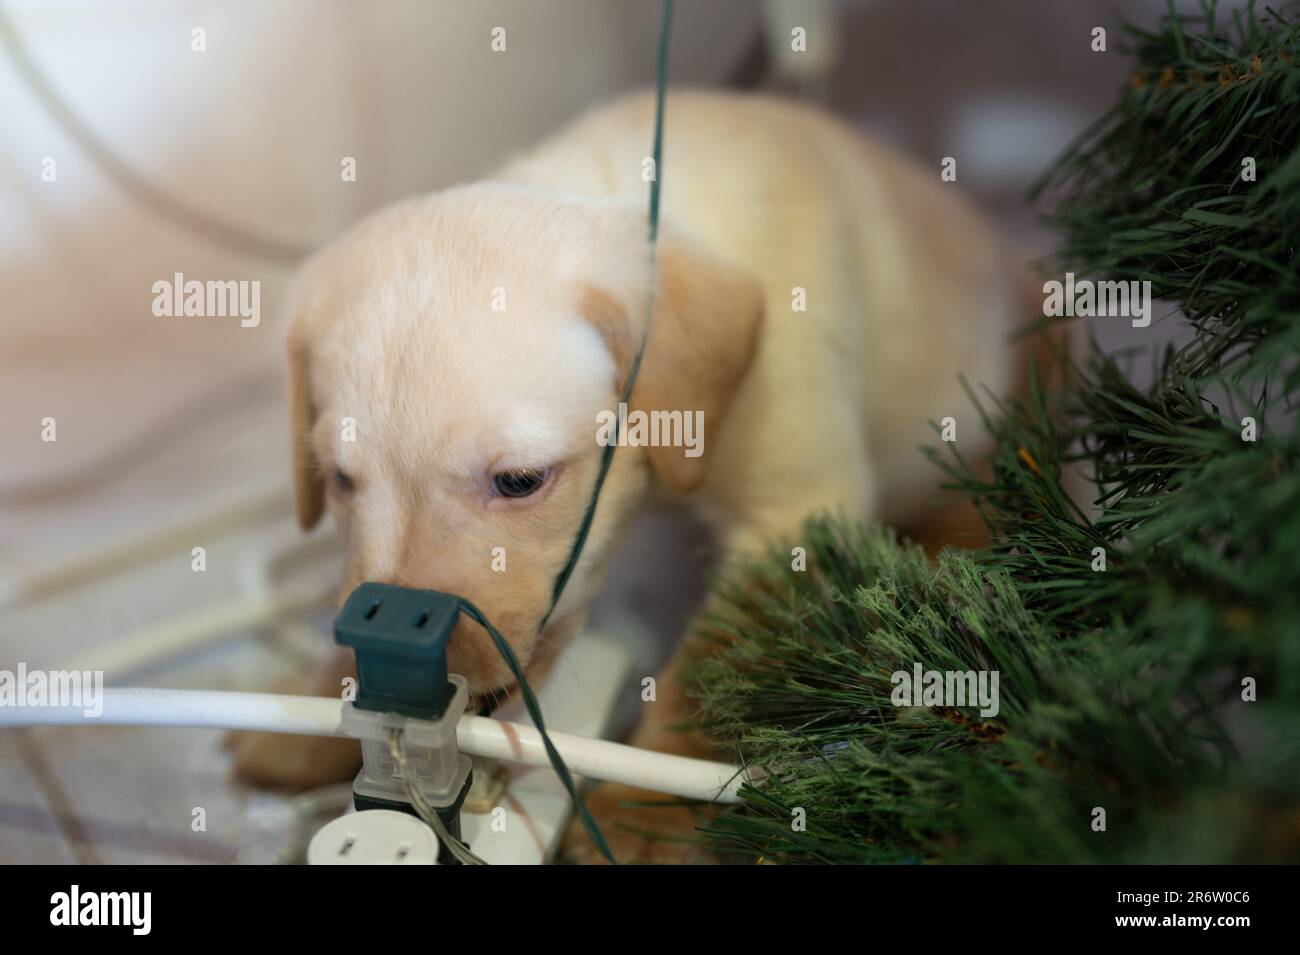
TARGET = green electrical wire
(607,457)
(535,712)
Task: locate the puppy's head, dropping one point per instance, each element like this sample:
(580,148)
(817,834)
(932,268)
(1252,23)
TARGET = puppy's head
(448,360)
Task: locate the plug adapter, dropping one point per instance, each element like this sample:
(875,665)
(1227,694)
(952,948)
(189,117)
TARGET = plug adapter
(400,638)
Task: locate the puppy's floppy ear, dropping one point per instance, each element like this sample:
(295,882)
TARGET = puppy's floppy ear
(308,482)
(708,316)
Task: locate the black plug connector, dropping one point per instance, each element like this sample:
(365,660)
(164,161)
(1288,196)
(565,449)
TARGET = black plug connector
(400,638)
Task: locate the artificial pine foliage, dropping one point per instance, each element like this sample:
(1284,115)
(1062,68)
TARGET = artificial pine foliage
(1127,688)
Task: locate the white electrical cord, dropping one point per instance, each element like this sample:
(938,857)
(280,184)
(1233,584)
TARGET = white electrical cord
(688,778)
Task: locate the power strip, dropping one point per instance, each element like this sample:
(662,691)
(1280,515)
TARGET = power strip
(374,837)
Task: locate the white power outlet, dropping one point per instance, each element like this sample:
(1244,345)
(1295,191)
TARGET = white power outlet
(374,837)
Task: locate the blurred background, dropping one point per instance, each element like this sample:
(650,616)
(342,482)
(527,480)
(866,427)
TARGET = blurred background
(172,432)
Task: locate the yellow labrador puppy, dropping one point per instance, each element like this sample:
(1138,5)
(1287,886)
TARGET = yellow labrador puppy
(456,360)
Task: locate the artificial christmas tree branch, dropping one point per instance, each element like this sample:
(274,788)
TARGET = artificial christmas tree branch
(1148,647)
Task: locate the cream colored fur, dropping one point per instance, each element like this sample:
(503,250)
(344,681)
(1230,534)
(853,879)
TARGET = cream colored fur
(906,289)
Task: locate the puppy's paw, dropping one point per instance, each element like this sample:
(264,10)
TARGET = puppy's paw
(660,834)
(295,763)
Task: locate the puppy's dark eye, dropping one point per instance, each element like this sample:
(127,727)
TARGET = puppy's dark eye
(343,483)
(520,483)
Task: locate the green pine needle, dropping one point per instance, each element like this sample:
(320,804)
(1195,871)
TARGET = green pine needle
(1120,688)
